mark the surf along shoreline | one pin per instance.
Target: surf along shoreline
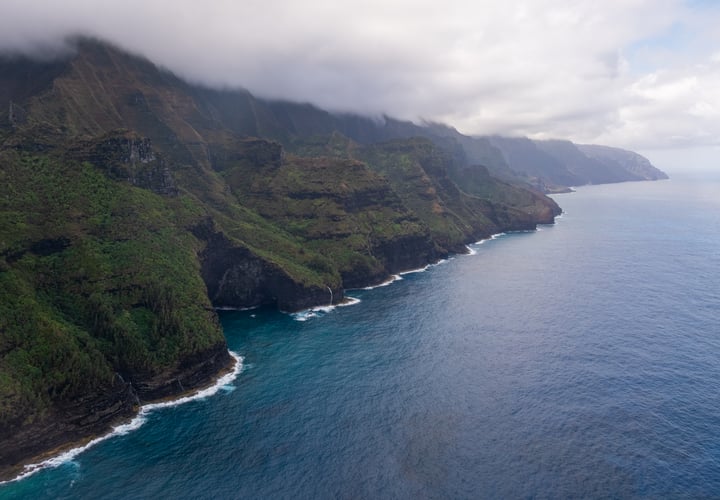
(65, 453)
(62, 454)
(319, 311)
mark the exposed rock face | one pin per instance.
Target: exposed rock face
(237, 278)
(127, 156)
(75, 421)
(247, 151)
(95, 412)
(16, 115)
(191, 372)
(406, 252)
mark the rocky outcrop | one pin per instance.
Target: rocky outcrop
(82, 419)
(16, 115)
(193, 371)
(238, 278)
(128, 157)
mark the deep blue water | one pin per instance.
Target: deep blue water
(582, 360)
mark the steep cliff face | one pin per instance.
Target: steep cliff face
(237, 278)
(132, 204)
(527, 159)
(638, 166)
(126, 156)
(70, 421)
(101, 304)
(340, 209)
(92, 413)
(457, 207)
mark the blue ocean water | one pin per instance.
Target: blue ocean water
(578, 361)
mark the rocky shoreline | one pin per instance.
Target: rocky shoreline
(95, 415)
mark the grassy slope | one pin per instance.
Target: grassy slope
(103, 90)
(100, 277)
(340, 210)
(97, 277)
(426, 179)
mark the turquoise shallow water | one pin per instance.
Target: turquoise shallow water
(582, 360)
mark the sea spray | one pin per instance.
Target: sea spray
(315, 312)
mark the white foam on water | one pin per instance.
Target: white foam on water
(120, 430)
(392, 279)
(303, 315)
(349, 301)
(319, 311)
(418, 270)
(473, 251)
(313, 312)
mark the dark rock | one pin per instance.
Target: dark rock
(237, 278)
(95, 413)
(128, 157)
(75, 421)
(16, 115)
(247, 151)
(191, 372)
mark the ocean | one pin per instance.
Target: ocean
(581, 360)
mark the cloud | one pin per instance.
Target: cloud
(680, 106)
(583, 70)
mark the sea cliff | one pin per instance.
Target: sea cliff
(132, 204)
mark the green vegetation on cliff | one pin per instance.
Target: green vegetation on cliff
(132, 204)
(99, 285)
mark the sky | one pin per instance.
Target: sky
(641, 74)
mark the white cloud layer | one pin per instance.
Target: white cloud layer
(635, 73)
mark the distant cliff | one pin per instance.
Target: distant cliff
(553, 164)
(133, 203)
(636, 165)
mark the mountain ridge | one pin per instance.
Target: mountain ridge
(132, 203)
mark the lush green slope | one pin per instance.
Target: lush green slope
(132, 204)
(457, 202)
(99, 294)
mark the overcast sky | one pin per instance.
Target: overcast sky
(641, 74)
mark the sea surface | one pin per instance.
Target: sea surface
(578, 361)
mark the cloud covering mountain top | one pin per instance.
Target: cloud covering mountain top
(633, 73)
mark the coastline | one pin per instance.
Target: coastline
(318, 311)
(62, 454)
(65, 453)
